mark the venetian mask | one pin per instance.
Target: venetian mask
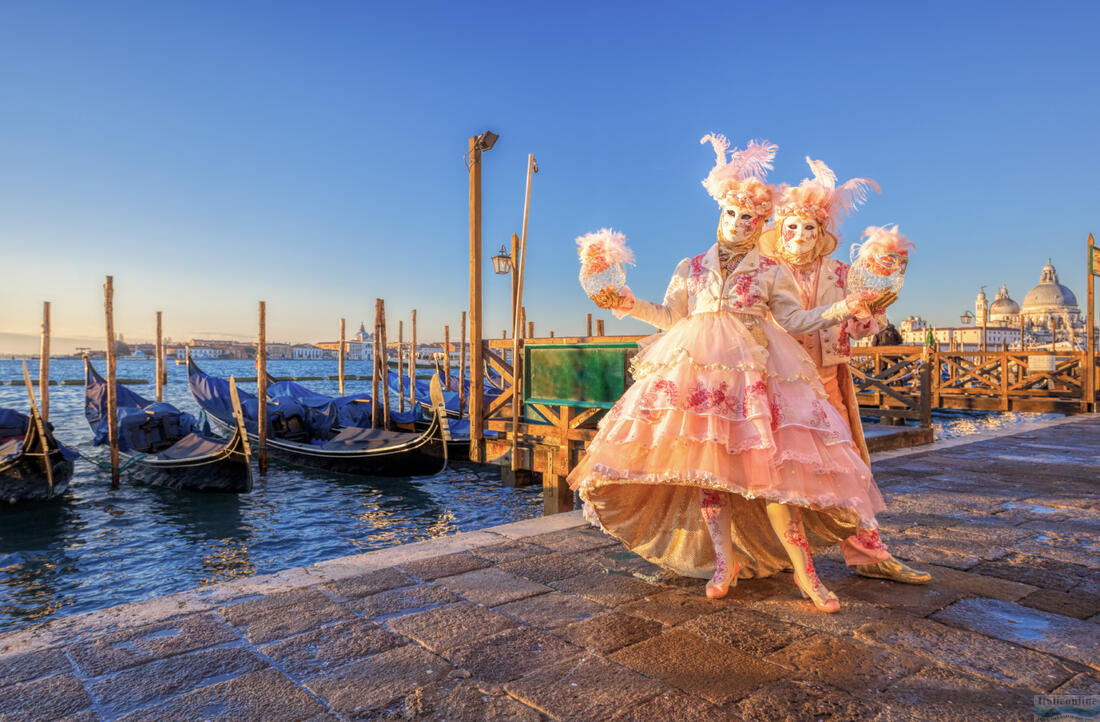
(737, 226)
(798, 239)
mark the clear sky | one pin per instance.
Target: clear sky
(211, 154)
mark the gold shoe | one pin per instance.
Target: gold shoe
(893, 570)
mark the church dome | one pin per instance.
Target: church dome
(1003, 305)
(1049, 294)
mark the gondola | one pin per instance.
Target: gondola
(160, 446)
(312, 435)
(34, 466)
(452, 400)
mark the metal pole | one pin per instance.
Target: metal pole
(517, 370)
(1093, 268)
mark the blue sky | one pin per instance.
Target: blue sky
(310, 154)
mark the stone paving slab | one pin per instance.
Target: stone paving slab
(549, 619)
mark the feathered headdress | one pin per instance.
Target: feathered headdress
(739, 180)
(820, 198)
(884, 248)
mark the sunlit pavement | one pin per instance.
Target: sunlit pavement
(548, 618)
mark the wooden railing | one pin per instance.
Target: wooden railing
(993, 380)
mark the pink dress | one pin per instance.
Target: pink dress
(725, 400)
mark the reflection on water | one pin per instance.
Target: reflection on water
(95, 547)
(953, 424)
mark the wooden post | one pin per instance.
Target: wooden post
(112, 395)
(261, 389)
(160, 360)
(985, 327)
(412, 364)
(1089, 377)
(1004, 375)
(599, 327)
(400, 363)
(588, 324)
(340, 353)
(446, 357)
(375, 412)
(530, 329)
(477, 370)
(44, 366)
(384, 370)
(462, 366)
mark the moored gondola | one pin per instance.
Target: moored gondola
(313, 435)
(33, 465)
(161, 446)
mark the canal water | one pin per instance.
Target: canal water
(96, 548)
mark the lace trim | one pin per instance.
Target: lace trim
(830, 438)
(782, 457)
(644, 369)
(823, 503)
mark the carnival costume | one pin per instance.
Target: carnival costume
(822, 280)
(725, 458)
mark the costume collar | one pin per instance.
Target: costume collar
(749, 263)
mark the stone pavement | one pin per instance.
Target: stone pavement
(547, 618)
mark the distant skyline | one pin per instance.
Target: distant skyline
(211, 155)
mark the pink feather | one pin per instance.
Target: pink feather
(608, 244)
(823, 174)
(720, 144)
(755, 160)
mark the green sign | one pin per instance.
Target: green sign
(589, 375)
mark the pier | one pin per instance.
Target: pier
(550, 619)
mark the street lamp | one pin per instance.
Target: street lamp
(502, 262)
(966, 318)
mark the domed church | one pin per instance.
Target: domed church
(1048, 303)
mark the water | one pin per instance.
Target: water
(95, 548)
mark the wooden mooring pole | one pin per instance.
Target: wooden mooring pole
(462, 366)
(341, 353)
(160, 360)
(112, 396)
(599, 327)
(401, 364)
(384, 370)
(1089, 377)
(44, 364)
(261, 389)
(412, 364)
(447, 358)
(375, 412)
(588, 324)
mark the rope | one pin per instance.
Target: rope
(107, 467)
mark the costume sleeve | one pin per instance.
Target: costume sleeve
(786, 307)
(665, 315)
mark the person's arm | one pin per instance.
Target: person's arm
(662, 315)
(786, 307)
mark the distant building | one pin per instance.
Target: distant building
(206, 352)
(278, 351)
(307, 352)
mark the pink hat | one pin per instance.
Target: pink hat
(738, 181)
(820, 199)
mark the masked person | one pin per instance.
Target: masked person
(802, 240)
(725, 459)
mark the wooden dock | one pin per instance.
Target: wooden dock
(550, 619)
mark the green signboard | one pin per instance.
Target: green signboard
(589, 375)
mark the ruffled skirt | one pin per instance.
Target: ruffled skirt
(730, 403)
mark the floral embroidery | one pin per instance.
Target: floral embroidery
(746, 290)
(818, 418)
(795, 537)
(869, 539)
(842, 347)
(842, 275)
(697, 268)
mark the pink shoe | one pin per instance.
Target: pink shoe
(822, 598)
(717, 590)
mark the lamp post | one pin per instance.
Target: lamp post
(478, 145)
(966, 318)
